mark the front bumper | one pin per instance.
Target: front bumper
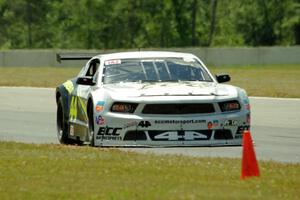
(156, 131)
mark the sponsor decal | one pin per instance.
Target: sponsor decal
(230, 123)
(180, 135)
(144, 124)
(241, 129)
(112, 62)
(71, 130)
(209, 125)
(215, 123)
(191, 121)
(130, 124)
(99, 106)
(107, 133)
(100, 120)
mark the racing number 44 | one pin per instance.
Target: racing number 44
(144, 124)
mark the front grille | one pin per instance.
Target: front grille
(175, 109)
(135, 135)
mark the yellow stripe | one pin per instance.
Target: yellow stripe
(83, 108)
(69, 86)
(73, 108)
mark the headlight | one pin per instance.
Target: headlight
(123, 107)
(244, 98)
(229, 106)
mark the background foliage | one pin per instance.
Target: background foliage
(109, 24)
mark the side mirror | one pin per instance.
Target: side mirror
(223, 78)
(85, 81)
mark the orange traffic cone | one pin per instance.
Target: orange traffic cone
(249, 162)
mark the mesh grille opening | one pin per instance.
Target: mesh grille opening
(223, 135)
(173, 109)
(135, 135)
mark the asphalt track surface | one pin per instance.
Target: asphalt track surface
(28, 115)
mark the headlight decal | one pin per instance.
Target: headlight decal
(228, 106)
(121, 107)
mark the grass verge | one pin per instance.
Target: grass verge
(66, 172)
(272, 81)
(267, 80)
(36, 76)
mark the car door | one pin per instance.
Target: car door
(78, 111)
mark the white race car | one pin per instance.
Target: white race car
(149, 98)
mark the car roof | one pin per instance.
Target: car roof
(145, 54)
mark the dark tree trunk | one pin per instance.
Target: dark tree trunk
(297, 34)
(89, 19)
(29, 23)
(213, 21)
(194, 22)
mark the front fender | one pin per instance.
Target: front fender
(65, 96)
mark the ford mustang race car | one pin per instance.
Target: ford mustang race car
(149, 98)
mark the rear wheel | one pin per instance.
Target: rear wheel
(62, 125)
(91, 125)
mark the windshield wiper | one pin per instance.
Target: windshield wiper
(170, 80)
(160, 81)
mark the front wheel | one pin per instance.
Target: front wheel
(62, 125)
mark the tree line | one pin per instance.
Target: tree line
(110, 24)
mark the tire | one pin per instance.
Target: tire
(62, 125)
(91, 130)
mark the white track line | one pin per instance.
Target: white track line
(275, 98)
(25, 87)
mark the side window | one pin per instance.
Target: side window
(93, 67)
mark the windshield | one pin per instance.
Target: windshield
(154, 70)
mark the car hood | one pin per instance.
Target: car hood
(190, 88)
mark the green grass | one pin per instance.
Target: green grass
(272, 81)
(67, 172)
(36, 76)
